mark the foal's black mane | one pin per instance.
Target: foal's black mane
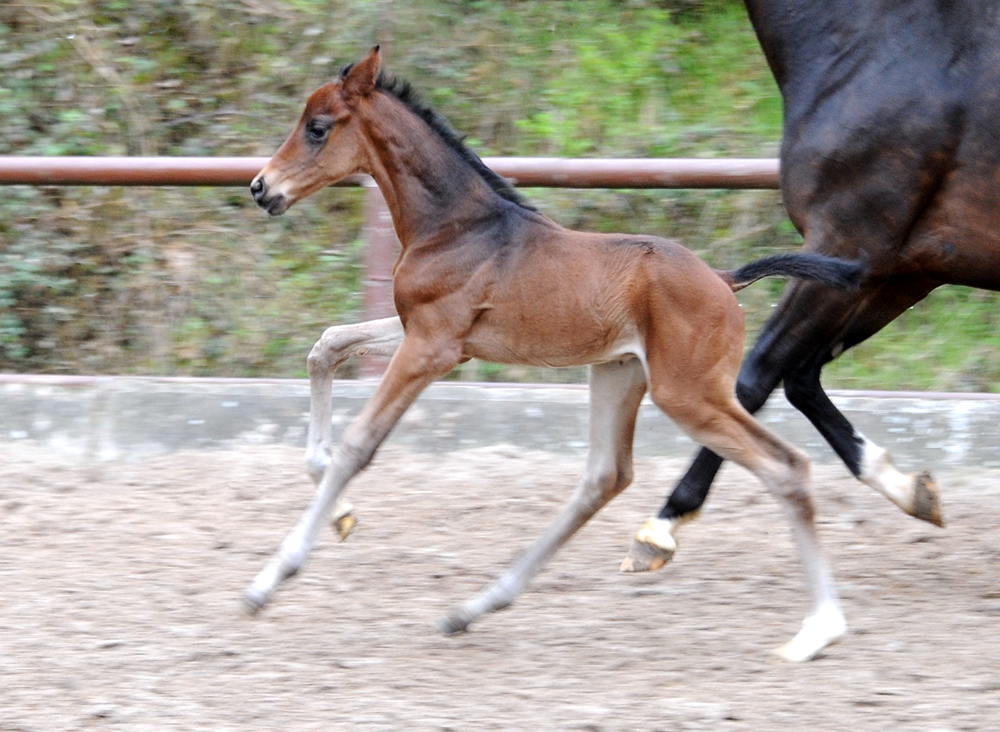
(404, 92)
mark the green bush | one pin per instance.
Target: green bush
(198, 281)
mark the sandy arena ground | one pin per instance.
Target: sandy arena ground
(122, 589)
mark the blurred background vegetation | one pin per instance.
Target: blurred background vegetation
(198, 281)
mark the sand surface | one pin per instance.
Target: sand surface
(122, 589)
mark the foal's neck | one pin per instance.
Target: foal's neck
(426, 184)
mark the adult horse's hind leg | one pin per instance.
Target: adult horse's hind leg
(721, 424)
(914, 493)
(811, 325)
(374, 337)
(616, 390)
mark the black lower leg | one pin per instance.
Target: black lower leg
(805, 393)
(752, 389)
(691, 491)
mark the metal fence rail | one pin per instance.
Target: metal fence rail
(526, 172)
(381, 250)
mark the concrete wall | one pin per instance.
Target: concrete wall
(129, 418)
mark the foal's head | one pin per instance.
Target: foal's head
(326, 144)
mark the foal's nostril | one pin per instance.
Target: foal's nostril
(257, 188)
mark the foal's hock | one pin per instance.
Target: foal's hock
(483, 275)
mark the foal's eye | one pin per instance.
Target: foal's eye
(317, 131)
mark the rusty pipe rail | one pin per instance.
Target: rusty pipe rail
(525, 172)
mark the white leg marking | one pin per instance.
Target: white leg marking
(654, 544)
(616, 389)
(295, 548)
(821, 628)
(826, 622)
(337, 344)
(785, 471)
(402, 383)
(659, 533)
(878, 472)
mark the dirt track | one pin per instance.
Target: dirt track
(122, 586)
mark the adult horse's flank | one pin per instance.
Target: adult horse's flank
(890, 152)
(483, 275)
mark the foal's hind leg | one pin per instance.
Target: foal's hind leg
(722, 425)
(616, 389)
(337, 344)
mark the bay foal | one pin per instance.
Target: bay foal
(483, 275)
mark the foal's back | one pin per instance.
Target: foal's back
(557, 297)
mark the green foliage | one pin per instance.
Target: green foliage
(199, 281)
(950, 342)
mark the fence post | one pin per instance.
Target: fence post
(381, 251)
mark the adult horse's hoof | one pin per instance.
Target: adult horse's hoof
(652, 547)
(926, 499)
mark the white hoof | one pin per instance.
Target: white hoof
(818, 631)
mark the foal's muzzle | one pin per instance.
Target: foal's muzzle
(275, 205)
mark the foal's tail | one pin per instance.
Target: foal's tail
(839, 273)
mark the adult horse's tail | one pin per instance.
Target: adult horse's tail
(839, 273)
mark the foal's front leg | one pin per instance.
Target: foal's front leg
(374, 337)
(416, 364)
(616, 390)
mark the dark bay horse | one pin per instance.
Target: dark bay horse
(891, 151)
(483, 275)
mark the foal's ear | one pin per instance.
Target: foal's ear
(359, 79)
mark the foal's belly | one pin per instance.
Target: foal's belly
(544, 345)
(564, 303)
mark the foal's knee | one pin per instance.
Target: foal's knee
(336, 345)
(319, 361)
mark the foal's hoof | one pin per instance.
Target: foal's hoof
(253, 602)
(342, 521)
(452, 623)
(344, 525)
(652, 547)
(643, 557)
(266, 582)
(818, 631)
(926, 499)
